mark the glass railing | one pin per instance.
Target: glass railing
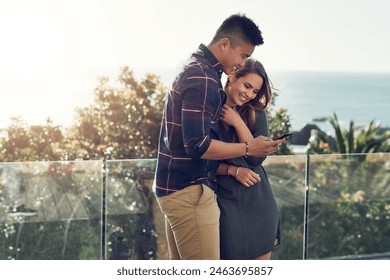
(349, 206)
(132, 213)
(51, 210)
(332, 207)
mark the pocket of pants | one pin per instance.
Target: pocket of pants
(195, 193)
(200, 194)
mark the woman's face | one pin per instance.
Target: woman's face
(243, 89)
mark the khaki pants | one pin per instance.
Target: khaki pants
(191, 223)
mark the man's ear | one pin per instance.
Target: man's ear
(224, 44)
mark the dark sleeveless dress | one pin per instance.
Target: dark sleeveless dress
(250, 220)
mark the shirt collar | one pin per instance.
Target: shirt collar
(212, 59)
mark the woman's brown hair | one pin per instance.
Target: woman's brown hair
(263, 97)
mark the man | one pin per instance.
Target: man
(188, 149)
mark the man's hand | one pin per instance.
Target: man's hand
(263, 146)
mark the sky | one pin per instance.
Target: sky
(53, 51)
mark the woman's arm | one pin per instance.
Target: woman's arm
(242, 174)
(231, 117)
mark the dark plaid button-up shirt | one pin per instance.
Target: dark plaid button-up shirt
(189, 123)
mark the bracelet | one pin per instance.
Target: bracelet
(238, 168)
(246, 149)
(227, 170)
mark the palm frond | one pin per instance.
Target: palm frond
(338, 133)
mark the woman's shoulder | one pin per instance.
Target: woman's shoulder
(260, 114)
(261, 123)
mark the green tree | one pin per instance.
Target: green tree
(124, 120)
(278, 124)
(351, 140)
(21, 142)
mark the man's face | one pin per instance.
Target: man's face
(234, 57)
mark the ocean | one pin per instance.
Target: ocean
(312, 96)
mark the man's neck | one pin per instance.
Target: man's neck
(216, 51)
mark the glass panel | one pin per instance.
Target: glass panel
(61, 211)
(50, 210)
(287, 178)
(135, 225)
(132, 213)
(349, 206)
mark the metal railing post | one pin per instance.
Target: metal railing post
(306, 208)
(103, 251)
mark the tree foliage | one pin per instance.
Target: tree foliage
(124, 120)
(352, 140)
(278, 124)
(31, 143)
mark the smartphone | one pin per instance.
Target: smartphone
(286, 135)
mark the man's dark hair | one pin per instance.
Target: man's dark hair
(239, 29)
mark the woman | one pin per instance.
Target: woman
(250, 221)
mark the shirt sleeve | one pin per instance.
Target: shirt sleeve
(200, 104)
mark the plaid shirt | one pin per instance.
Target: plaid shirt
(189, 122)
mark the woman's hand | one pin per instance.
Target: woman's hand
(246, 176)
(230, 116)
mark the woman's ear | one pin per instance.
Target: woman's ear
(230, 80)
(232, 76)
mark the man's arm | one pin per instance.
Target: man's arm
(260, 146)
